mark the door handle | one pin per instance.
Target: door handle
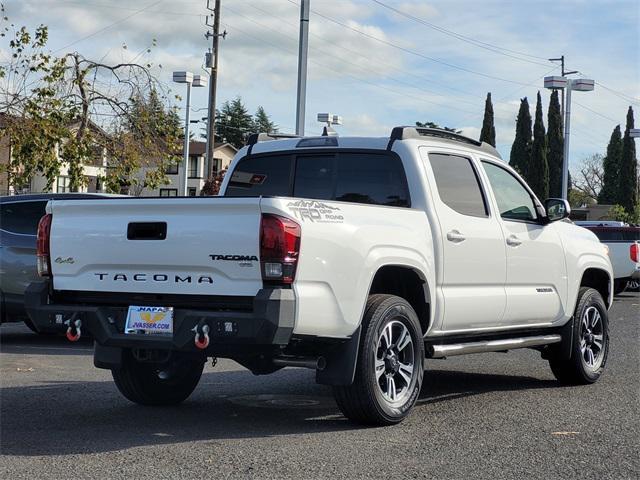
(455, 236)
(513, 241)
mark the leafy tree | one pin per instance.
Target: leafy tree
(618, 212)
(488, 132)
(555, 144)
(538, 171)
(611, 166)
(628, 180)
(233, 122)
(56, 108)
(521, 149)
(435, 125)
(262, 122)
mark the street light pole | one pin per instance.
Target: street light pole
(567, 132)
(197, 81)
(185, 150)
(567, 85)
(303, 49)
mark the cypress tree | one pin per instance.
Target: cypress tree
(627, 188)
(521, 149)
(611, 165)
(488, 133)
(538, 171)
(555, 144)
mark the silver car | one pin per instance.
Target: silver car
(19, 217)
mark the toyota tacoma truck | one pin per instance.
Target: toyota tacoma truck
(359, 258)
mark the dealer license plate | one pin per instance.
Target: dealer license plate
(156, 320)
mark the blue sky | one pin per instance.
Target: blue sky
(375, 67)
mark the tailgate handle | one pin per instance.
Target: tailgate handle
(147, 231)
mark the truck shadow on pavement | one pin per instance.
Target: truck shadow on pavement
(64, 418)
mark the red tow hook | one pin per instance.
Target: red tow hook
(202, 341)
(73, 337)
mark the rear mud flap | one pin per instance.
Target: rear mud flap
(341, 363)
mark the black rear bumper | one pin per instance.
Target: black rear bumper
(269, 323)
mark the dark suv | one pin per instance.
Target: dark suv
(19, 217)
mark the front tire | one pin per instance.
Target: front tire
(390, 364)
(158, 385)
(590, 343)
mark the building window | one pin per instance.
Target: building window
(193, 167)
(168, 192)
(217, 165)
(192, 191)
(171, 169)
(63, 184)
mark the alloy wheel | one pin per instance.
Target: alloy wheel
(395, 361)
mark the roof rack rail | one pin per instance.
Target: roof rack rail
(405, 132)
(254, 138)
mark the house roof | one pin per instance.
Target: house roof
(199, 148)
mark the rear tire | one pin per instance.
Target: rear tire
(158, 385)
(590, 344)
(390, 364)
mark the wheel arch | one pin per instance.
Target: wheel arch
(409, 283)
(600, 280)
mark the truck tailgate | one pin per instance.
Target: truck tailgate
(191, 246)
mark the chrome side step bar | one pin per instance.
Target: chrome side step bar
(449, 350)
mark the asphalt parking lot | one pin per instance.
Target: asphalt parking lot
(481, 416)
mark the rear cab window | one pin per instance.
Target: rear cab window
(369, 177)
(612, 234)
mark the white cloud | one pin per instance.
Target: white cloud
(373, 85)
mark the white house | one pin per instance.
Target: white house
(197, 171)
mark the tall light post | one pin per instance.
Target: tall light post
(197, 81)
(569, 85)
(303, 49)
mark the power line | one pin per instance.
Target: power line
(345, 61)
(108, 26)
(470, 40)
(112, 6)
(412, 52)
(378, 61)
(596, 112)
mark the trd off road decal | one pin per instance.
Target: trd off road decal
(315, 211)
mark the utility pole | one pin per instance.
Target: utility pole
(212, 64)
(303, 50)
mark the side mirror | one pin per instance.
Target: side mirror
(557, 209)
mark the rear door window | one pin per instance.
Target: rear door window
(458, 184)
(377, 179)
(21, 217)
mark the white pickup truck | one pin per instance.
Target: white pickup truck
(623, 242)
(357, 257)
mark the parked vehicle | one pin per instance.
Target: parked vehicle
(624, 250)
(356, 257)
(19, 217)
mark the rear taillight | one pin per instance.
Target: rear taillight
(42, 246)
(279, 249)
(634, 252)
